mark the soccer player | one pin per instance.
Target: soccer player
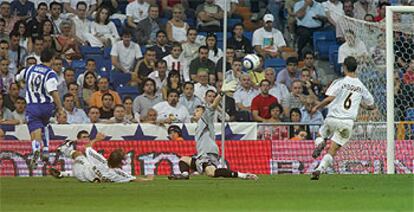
(42, 99)
(207, 159)
(344, 97)
(93, 167)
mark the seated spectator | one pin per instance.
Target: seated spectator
(239, 42)
(267, 41)
(146, 100)
(6, 76)
(89, 87)
(173, 83)
(176, 27)
(57, 66)
(119, 115)
(136, 11)
(175, 133)
(261, 103)
(6, 116)
(363, 7)
(46, 28)
(90, 67)
(296, 97)
(19, 114)
(209, 16)
(348, 8)
(171, 111)
(24, 9)
(70, 46)
(188, 99)
(56, 9)
(278, 90)
(297, 132)
(161, 46)
(61, 117)
(160, 75)
(245, 94)
(75, 115)
(203, 63)
(190, 48)
(50, 42)
(150, 117)
(276, 113)
(103, 30)
(176, 62)
(309, 87)
(143, 68)
(309, 63)
(352, 47)
(231, 7)
(37, 49)
(3, 35)
(25, 35)
(17, 54)
(274, 132)
(202, 86)
(71, 6)
(381, 11)
(214, 53)
(103, 88)
(9, 19)
(129, 113)
(230, 57)
(11, 96)
(257, 75)
(235, 72)
(81, 25)
(287, 75)
(107, 108)
(148, 27)
(73, 89)
(94, 115)
(68, 77)
(125, 53)
(314, 120)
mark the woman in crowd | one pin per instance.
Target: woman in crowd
(103, 29)
(297, 132)
(129, 114)
(173, 82)
(70, 47)
(176, 27)
(25, 36)
(214, 53)
(89, 86)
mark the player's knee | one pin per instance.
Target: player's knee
(186, 159)
(209, 170)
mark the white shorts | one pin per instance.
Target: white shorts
(83, 170)
(338, 130)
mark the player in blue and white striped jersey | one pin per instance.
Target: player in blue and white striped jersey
(42, 99)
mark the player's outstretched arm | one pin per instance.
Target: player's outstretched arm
(322, 104)
(368, 107)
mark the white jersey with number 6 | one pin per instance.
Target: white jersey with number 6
(349, 92)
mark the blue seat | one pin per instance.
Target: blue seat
(124, 91)
(119, 25)
(333, 58)
(163, 21)
(248, 35)
(231, 22)
(143, 50)
(103, 66)
(322, 41)
(118, 78)
(107, 53)
(87, 50)
(219, 36)
(122, 4)
(79, 66)
(276, 63)
(191, 22)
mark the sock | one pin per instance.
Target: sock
(221, 172)
(242, 175)
(184, 168)
(35, 145)
(67, 150)
(325, 163)
(318, 141)
(46, 139)
(66, 173)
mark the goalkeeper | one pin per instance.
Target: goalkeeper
(207, 159)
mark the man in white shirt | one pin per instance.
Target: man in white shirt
(175, 61)
(125, 53)
(19, 114)
(55, 8)
(352, 47)
(267, 40)
(72, 5)
(188, 99)
(75, 115)
(202, 86)
(171, 111)
(81, 26)
(136, 11)
(159, 75)
(245, 94)
(278, 90)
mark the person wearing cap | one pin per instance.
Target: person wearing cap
(310, 16)
(267, 41)
(175, 133)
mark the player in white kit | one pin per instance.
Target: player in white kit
(344, 97)
(93, 167)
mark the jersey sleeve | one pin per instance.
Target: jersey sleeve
(94, 157)
(367, 97)
(51, 82)
(20, 76)
(334, 89)
(120, 176)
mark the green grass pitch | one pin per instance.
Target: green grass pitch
(270, 193)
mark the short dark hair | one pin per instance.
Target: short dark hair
(191, 28)
(55, 3)
(276, 105)
(161, 32)
(115, 158)
(176, 44)
(202, 47)
(264, 80)
(81, 3)
(351, 64)
(175, 128)
(42, 4)
(127, 98)
(127, 32)
(210, 91)
(293, 60)
(92, 107)
(173, 91)
(79, 135)
(47, 55)
(295, 110)
(188, 83)
(90, 60)
(307, 52)
(162, 61)
(21, 99)
(67, 95)
(72, 83)
(107, 94)
(119, 105)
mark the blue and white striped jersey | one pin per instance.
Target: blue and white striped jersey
(40, 81)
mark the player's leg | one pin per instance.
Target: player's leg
(74, 154)
(321, 140)
(45, 149)
(212, 171)
(36, 136)
(326, 161)
(184, 164)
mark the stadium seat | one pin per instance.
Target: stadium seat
(119, 26)
(107, 53)
(122, 4)
(143, 49)
(127, 91)
(79, 66)
(163, 21)
(276, 63)
(191, 22)
(333, 58)
(248, 35)
(322, 41)
(87, 50)
(118, 79)
(231, 22)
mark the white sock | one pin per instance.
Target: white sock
(185, 174)
(318, 141)
(35, 145)
(241, 175)
(325, 163)
(66, 173)
(45, 149)
(67, 150)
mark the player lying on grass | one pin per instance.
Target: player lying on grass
(345, 95)
(93, 167)
(207, 159)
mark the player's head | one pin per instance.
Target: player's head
(47, 56)
(174, 133)
(350, 64)
(198, 112)
(82, 135)
(115, 158)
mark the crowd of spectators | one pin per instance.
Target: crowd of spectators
(171, 52)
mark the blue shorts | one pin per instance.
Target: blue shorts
(38, 115)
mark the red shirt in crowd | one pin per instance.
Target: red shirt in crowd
(262, 104)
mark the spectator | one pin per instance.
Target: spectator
(209, 16)
(129, 113)
(203, 63)
(103, 29)
(159, 75)
(310, 17)
(55, 15)
(188, 99)
(309, 87)
(23, 9)
(314, 120)
(31, 61)
(94, 115)
(296, 97)
(147, 28)
(257, 75)
(230, 57)
(150, 117)
(71, 6)
(363, 7)
(173, 83)
(309, 63)
(119, 115)
(381, 11)
(46, 28)
(144, 67)
(37, 49)
(61, 117)
(107, 108)
(171, 111)
(33, 25)
(70, 46)
(348, 8)
(19, 114)
(75, 115)
(6, 77)
(136, 11)
(214, 53)
(161, 47)
(3, 35)
(69, 77)
(245, 94)
(268, 41)
(50, 42)
(278, 90)
(290, 73)
(333, 10)
(239, 42)
(11, 96)
(190, 47)
(89, 87)
(125, 53)
(146, 100)
(90, 67)
(57, 66)
(176, 27)
(6, 15)
(261, 103)
(202, 86)
(81, 25)
(175, 133)
(297, 131)
(73, 89)
(352, 47)
(235, 72)
(17, 53)
(176, 62)
(103, 88)
(6, 116)
(276, 112)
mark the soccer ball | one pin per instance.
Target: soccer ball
(251, 61)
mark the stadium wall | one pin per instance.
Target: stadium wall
(259, 156)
